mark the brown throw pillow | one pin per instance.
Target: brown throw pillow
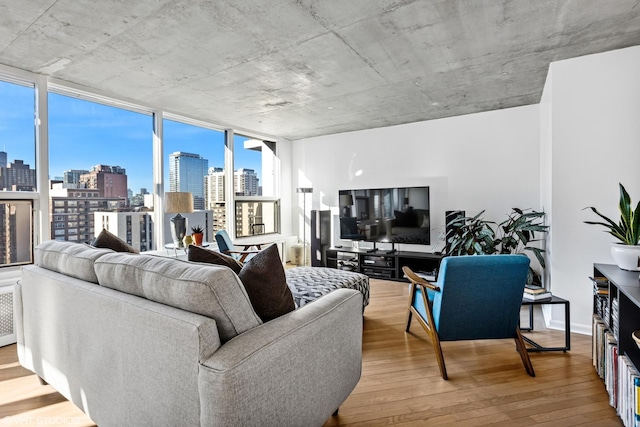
(109, 240)
(266, 284)
(199, 254)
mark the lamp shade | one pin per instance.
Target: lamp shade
(178, 202)
(346, 199)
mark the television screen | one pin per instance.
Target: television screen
(387, 215)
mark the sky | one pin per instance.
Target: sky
(83, 134)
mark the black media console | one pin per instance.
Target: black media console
(384, 264)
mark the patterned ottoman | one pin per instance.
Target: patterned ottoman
(310, 283)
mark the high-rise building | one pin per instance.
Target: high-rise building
(71, 212)
(214, 189)
(135, 228)
(72, 176)
(187, 172)
(3, 159)
(17, 177)
(246, 182)
(110, 181)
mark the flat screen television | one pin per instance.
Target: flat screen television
(386, 215)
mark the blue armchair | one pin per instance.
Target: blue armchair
(226, 246)
(475, 297)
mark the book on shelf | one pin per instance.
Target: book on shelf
(536, 297)
(601, 282)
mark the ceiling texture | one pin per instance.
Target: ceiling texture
(302, 68)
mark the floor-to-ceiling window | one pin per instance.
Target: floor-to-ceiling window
(257, 205)
(194, 163)
(100, 160)
(86, 163)
(17, 171)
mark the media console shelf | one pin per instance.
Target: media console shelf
(616, 308)
(384, 264)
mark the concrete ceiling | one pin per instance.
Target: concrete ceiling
(302, 68)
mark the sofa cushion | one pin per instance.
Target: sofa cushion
(73, 259)
(264, 279)
(199, 254)
(210, 290)
(106, 239)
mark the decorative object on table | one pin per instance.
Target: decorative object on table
(187, 240)
(177, 202)
(626, 253)
(305, 191)
(476, 236)
(197, 234)
(346, 201)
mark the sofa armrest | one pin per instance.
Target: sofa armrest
(294, 370)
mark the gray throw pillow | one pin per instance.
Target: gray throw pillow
(264, 280)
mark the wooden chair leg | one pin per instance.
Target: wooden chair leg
(412, 295)
(438, 349)
(524, 354)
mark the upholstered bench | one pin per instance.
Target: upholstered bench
(310, 283)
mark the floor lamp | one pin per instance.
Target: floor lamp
(304, 191)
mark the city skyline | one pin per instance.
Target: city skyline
(83, 134)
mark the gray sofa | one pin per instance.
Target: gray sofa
(152, 341)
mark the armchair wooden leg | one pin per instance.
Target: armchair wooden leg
(335, 413)
(412, 293)
(524, 354)
(438, 349)
(408, 320)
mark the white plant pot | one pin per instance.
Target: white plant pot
(626, 256)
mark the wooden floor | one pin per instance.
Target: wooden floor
(401, 383)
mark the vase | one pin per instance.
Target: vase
(197, 238)
(626, 256)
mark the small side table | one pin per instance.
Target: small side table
(173, 247)
(567, 333)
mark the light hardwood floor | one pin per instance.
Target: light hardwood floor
(401, 384)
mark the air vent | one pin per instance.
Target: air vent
(7, 325)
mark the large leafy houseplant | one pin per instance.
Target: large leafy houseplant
(475, 236)
(626, 230)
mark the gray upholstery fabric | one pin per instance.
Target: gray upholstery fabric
(127, 360)
(124, 360)
(73, 259)
(310, 283)
(292, 371)
(206, 289)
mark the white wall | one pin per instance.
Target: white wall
(592, 115)
(487, 161)
(565, 154)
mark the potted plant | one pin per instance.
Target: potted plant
(471, 236)
(196, 235)
(475, 236)
(626, 253)
(517, 232)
